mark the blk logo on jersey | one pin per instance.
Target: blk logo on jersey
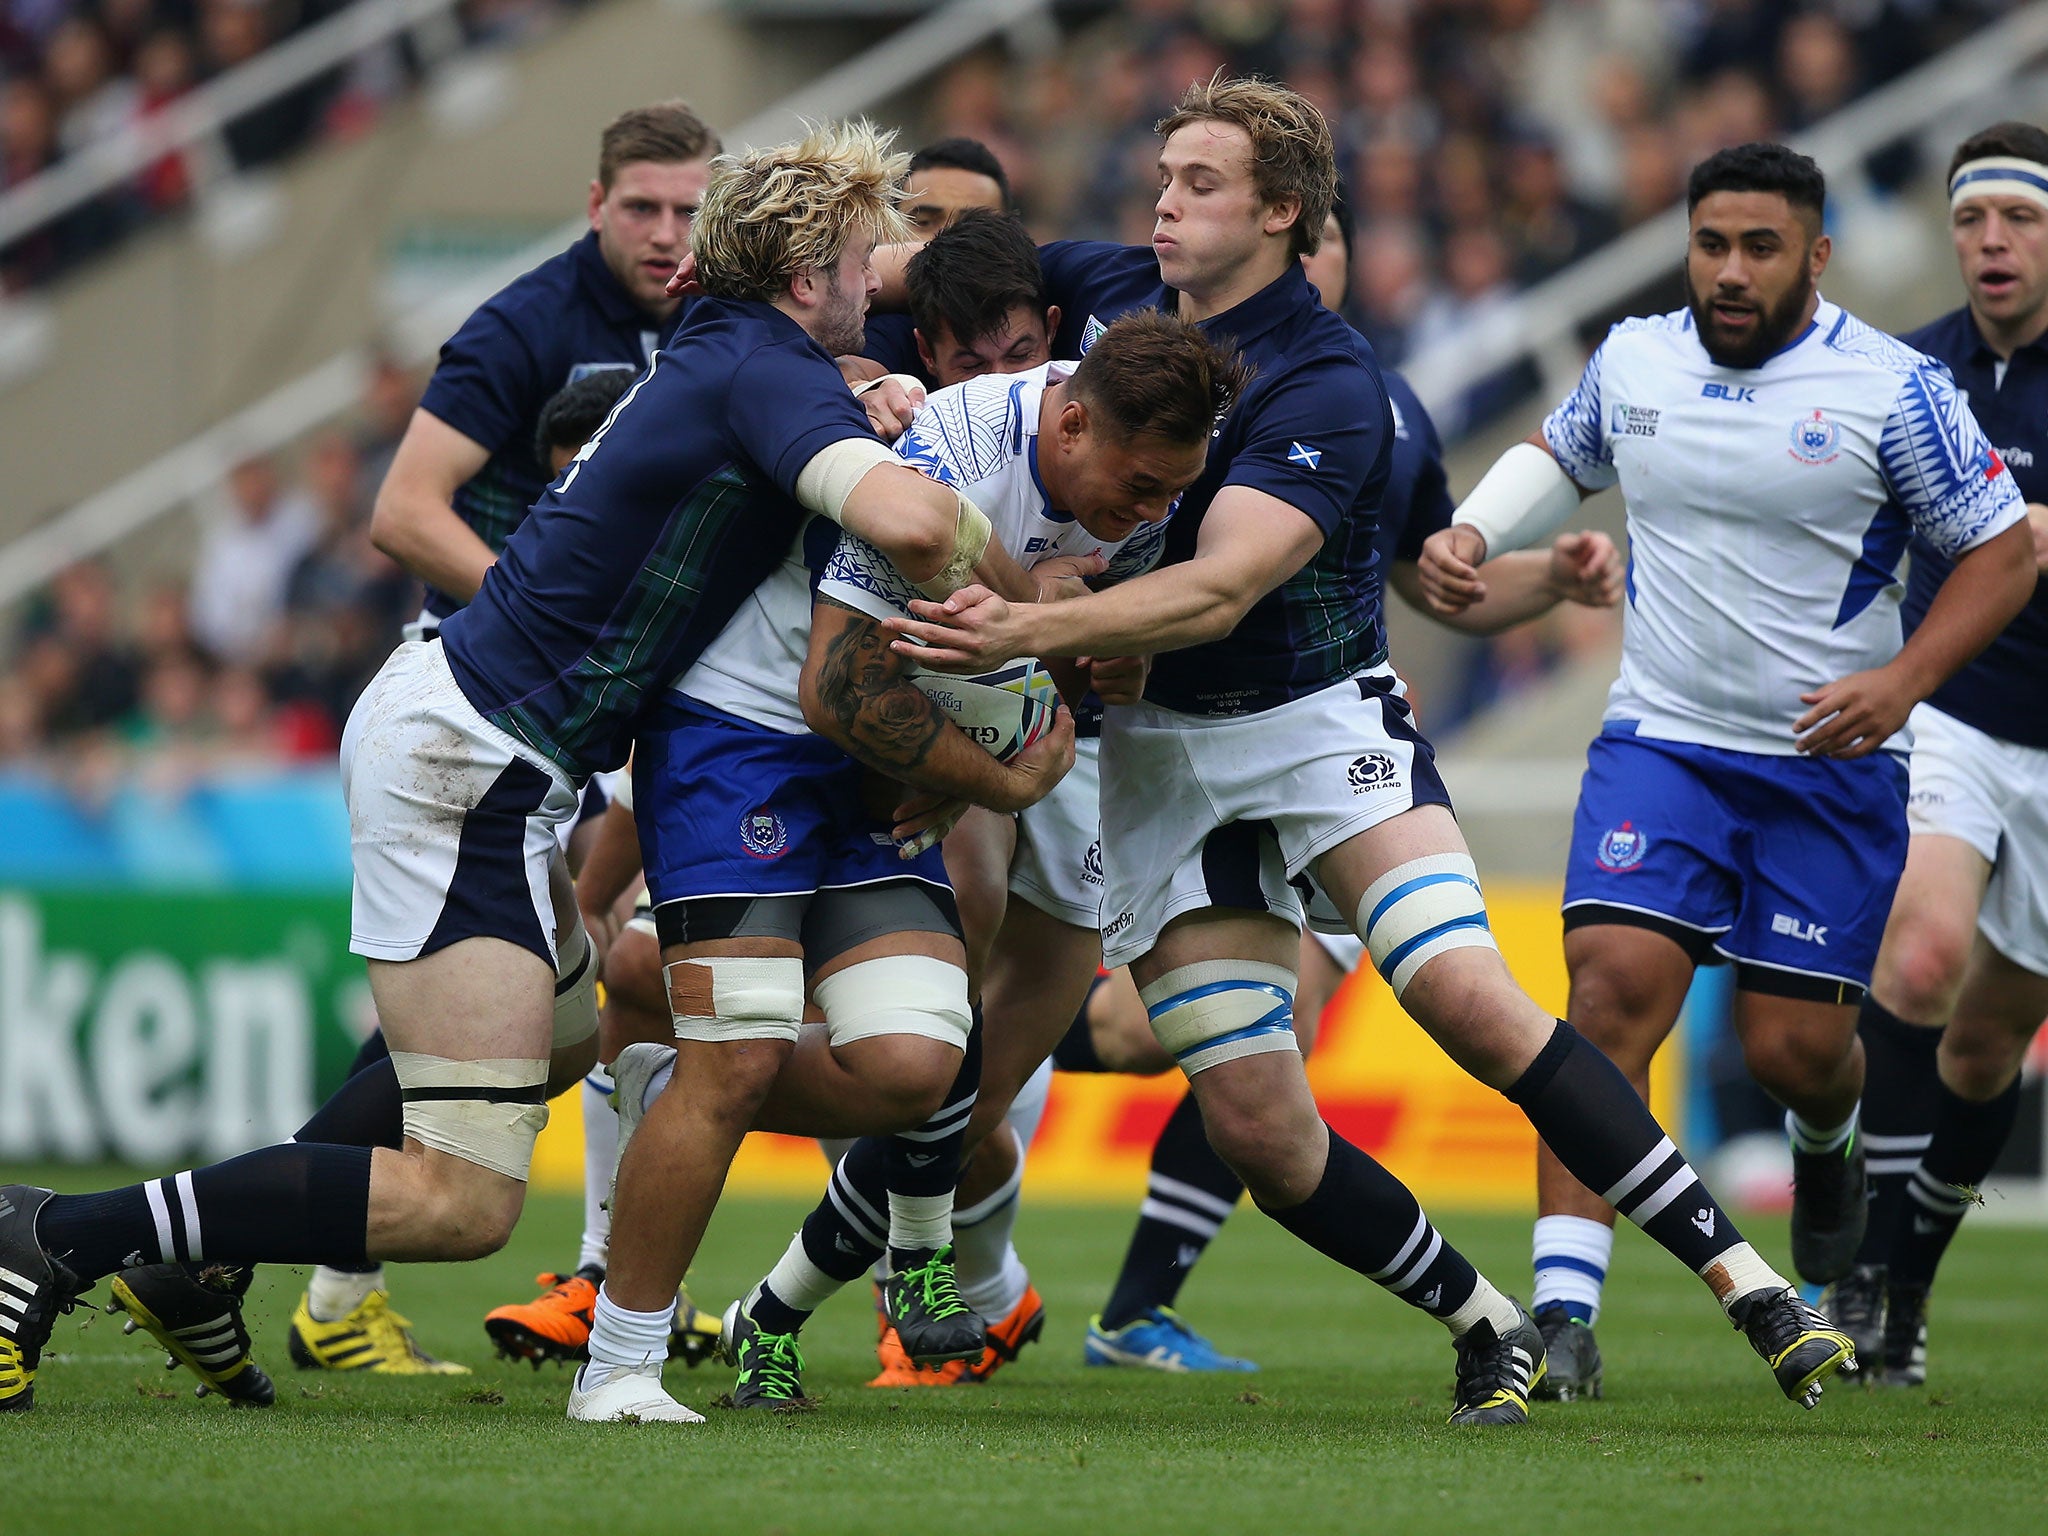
(1632, 420)
(1734, 394)
(1622, 849)
(763, 835)
(1305, 456)
(1815, 439)
(1374, 770)
(1792, 928)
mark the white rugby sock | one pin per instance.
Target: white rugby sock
(623, 1342)
(920, 1221)
(1808, 1137)
(795, 1281)
(1487, 1303)
(1572, 1256)
(331, 1294)
(1737, 1272)
(992, 1279)
(600, 1157)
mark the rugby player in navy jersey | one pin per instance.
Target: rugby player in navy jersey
(1273, 743)
(1966, 945)
(464, 755)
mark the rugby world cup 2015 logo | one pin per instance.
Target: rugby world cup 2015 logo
(1622, 849)
(763, 835)
(1815, 439)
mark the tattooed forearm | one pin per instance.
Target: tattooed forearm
(886, 723)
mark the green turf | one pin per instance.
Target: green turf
(1342, 1431)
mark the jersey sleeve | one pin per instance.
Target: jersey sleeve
(860, 576)
(1943, 470)
(488, 385)
(1577, 430)
(787, 405)
(1075, 270)
(1136, 555)
(1418, 500)
(1313, 441)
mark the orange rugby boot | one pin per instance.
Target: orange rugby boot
(553, 1326)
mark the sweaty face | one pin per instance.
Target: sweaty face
(839, 325)
(1750, 267)
(938, 194)
(643, 224)
(1330, 267)
(1021, 342)
(2002, 247)
(1209, 219)
(1113, 485)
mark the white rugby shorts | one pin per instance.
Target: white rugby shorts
(452, 821)
(1203, 812)
(1993, 795)
(1058, 863)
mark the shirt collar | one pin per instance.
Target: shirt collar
(1978, 350)
(1265, 311)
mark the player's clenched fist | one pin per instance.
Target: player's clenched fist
(1450, 568)
(1586, 568)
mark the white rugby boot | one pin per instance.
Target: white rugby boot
(628, 1397)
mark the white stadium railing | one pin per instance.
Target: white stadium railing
(1544, 322)
(318, 396)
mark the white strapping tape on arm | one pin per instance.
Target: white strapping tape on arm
(1523, 500)
(970, 542)
(834, 470)
(912, 385)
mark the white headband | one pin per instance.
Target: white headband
(1999, 176)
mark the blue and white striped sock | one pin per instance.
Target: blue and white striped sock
(1572, 1255)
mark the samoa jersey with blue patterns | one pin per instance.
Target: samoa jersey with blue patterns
(567, 318)
(1768, 512)
(1312, 429)
(2004, 692)
(641, 553)
(980, 436)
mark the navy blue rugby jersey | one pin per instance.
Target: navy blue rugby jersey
(1313, 429)
(2004, 692)
(634, 560)
(566, 318)
(1417, 501)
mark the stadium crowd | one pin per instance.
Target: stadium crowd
(73, 72)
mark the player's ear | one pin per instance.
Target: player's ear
(1073, 423)
(1817, 256)
(1052, 323)
(1280, 216)
(924, 352)
(596, 200)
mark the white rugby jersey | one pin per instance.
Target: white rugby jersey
(1768, 511)
(981, 436)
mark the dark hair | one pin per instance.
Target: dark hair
(667, 132)
(1760, 168)
(1156, 373)
(2017, 141)
(1347, 223)
(962, 154)
(972, 274)
(578, 409)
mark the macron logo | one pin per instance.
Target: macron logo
(1306, 457)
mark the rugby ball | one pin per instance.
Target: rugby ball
(1003, 711)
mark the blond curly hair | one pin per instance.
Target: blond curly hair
(1294, 158)
(772, 213)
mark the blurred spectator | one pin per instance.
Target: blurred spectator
(164, 71)
(76, 622)
(252, 537)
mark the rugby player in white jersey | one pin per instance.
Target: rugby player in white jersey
(1747, 794)
(1961, 983)
(1273, 743)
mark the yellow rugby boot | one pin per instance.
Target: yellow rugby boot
(372, 1338)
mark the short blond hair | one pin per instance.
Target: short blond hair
(772, 213)
(1294, 158)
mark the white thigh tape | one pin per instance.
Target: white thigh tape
(897, 995)
(1218, 1010)
(752, 998)
(576, 996)
(1417, 911)
(484, 1112)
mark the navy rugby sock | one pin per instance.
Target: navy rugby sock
(366, 1111)
(839, 1241)
(1190, 1194)
(922, 1165)
(289, 1204)
(1967, 1140)
(1901, 1093)
(1367, 1220)
(1603, 1132)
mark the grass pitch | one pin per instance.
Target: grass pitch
(1342, 1431)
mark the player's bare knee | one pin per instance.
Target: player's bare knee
(1794, 1064)
(1979, 1057)
(482, 1119)
(905, 1018)
(1921, 969)
(903, 1078)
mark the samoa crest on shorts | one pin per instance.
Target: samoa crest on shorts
(1622, 849)
(763, 835)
